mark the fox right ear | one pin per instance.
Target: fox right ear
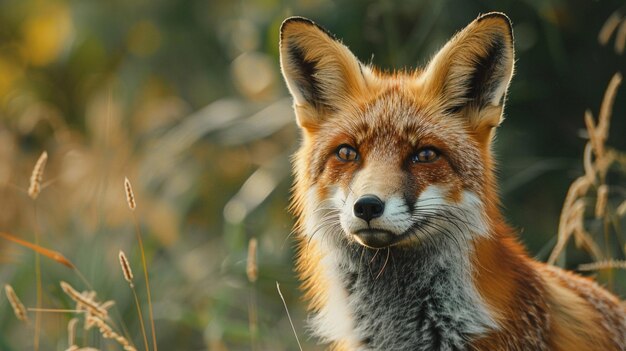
(472, 71)
(321, 73)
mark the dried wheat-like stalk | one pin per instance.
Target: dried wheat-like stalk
(128, 276)
(603, 195)
(108, 333)
(54, 255)
(615, 22)
(571, 221)
(590, 173)
(571, 213)
(71, 332)
(130, 199)
(37, 176)
(16, 304)
(600, 265)
(609, 27)
(128, 273)
(620, 38)
(252, 270)
(130, 196)
(621, 209)
(107, 304)
(576, 226)
(85, 301)
(604, 117)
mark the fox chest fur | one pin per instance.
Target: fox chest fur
(401, 242)
(412, 300)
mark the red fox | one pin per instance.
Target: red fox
(402, 245)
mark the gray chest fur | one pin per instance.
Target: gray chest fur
(408, 300)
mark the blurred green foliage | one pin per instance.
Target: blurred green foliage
(186, 99)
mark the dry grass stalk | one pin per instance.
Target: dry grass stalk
(609, 27)
(54, 255)
(252, 270)
(620, 38)
(585, 241)
(280, 293)
(600, 265)
(621, 210)
(571, 213)
(130, 199)
(128, 276)
(18, 308)
(108, 333)
(107, 304)
(37, 176)
(130, 196)
(71, 331)
(604, 118)
(590, 173)
(615, 22)
(571, 221)
(85, 301)
(128, 273)
(603, 195)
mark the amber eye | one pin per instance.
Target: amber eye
(347, 153)
(425, 155)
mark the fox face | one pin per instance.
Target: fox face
(397, 159)
(401, 242)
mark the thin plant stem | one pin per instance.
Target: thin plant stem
(143, 327)
(288, 315)
(145, 274)
(253, 318)
(39, 284)
(54, 310)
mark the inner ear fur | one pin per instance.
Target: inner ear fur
(321, 73)
(470, 75)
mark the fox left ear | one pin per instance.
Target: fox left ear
(321, 73)
(471, 73)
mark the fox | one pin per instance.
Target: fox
(401, 243)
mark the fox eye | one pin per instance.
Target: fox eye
(347, 153)
(425, 155)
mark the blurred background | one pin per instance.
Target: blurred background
(185, 98)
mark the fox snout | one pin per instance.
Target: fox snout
(375, 219)
(367, 208)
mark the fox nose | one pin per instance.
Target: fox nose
(368, 207)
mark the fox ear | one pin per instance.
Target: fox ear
(471, 73)
(321, 73)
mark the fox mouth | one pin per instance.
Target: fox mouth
(377, 238)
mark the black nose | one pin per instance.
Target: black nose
(368, 207)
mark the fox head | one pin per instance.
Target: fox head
(401, 158)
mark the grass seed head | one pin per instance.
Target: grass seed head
(18, 307)
(85, 301)
(37, 176)
(252, 269)
(108, 333)
(128, 273)
(130, 196)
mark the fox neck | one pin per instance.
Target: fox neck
(419, 298)
(393, 292)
